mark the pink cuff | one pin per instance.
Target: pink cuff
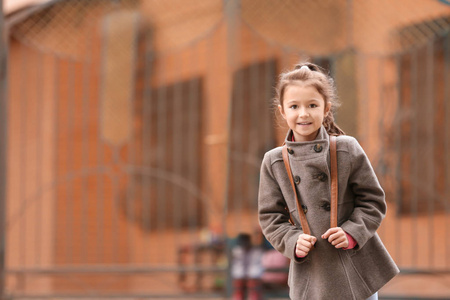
(351, 242)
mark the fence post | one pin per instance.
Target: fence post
(232, 11)
(3, 146)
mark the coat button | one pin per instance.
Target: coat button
(305, 208)
(297, 179)
(322, 177)
(290, 151)
(318, 147)
(326, 207)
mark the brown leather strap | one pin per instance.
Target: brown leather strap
(334, 187)
(301, 213)
(334, 182)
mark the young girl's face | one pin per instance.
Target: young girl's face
(304, 109)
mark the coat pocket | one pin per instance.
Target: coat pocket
(299, 280)
(360, 273)
(351, 252)
(373, 264)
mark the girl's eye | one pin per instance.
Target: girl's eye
(294, 106)
(313, 105)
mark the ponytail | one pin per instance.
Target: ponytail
(330, 126)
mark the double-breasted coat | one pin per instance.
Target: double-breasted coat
(326, 272)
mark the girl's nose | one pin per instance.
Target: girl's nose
(303, 112)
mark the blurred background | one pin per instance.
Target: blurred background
(133, 131)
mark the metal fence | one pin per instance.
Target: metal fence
(135, 132)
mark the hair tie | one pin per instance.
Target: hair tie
(304, 67)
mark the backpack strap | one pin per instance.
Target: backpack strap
(301, 213)
(334, 187)
(334, 182)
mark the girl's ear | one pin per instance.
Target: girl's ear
(327, 108)
(280, 108)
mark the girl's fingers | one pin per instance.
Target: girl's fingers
(307, 238)
(338, 240)
(336, 236)
(300, 253)
(330, 231)
(311, 240)
(304, 244)
(303, 248)
(344, 244)
(307, 244)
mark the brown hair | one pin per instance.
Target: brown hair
(314, 76)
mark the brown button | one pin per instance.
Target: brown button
(290, 151)
(326, 207)
(305, 208)
(297, 179)
(322, 177)
(318, 148)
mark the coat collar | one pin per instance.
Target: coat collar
(319, 146)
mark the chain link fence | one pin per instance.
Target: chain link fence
(135, 132)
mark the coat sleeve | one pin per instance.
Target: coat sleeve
(369, 202)
(273, 217)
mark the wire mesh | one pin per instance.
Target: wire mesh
(136, 130)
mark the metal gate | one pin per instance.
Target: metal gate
(135, 132)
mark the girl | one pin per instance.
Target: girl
(344, 262)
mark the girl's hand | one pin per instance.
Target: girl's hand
(304, 244)
(336, 236)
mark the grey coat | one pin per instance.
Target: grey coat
(326, 272)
